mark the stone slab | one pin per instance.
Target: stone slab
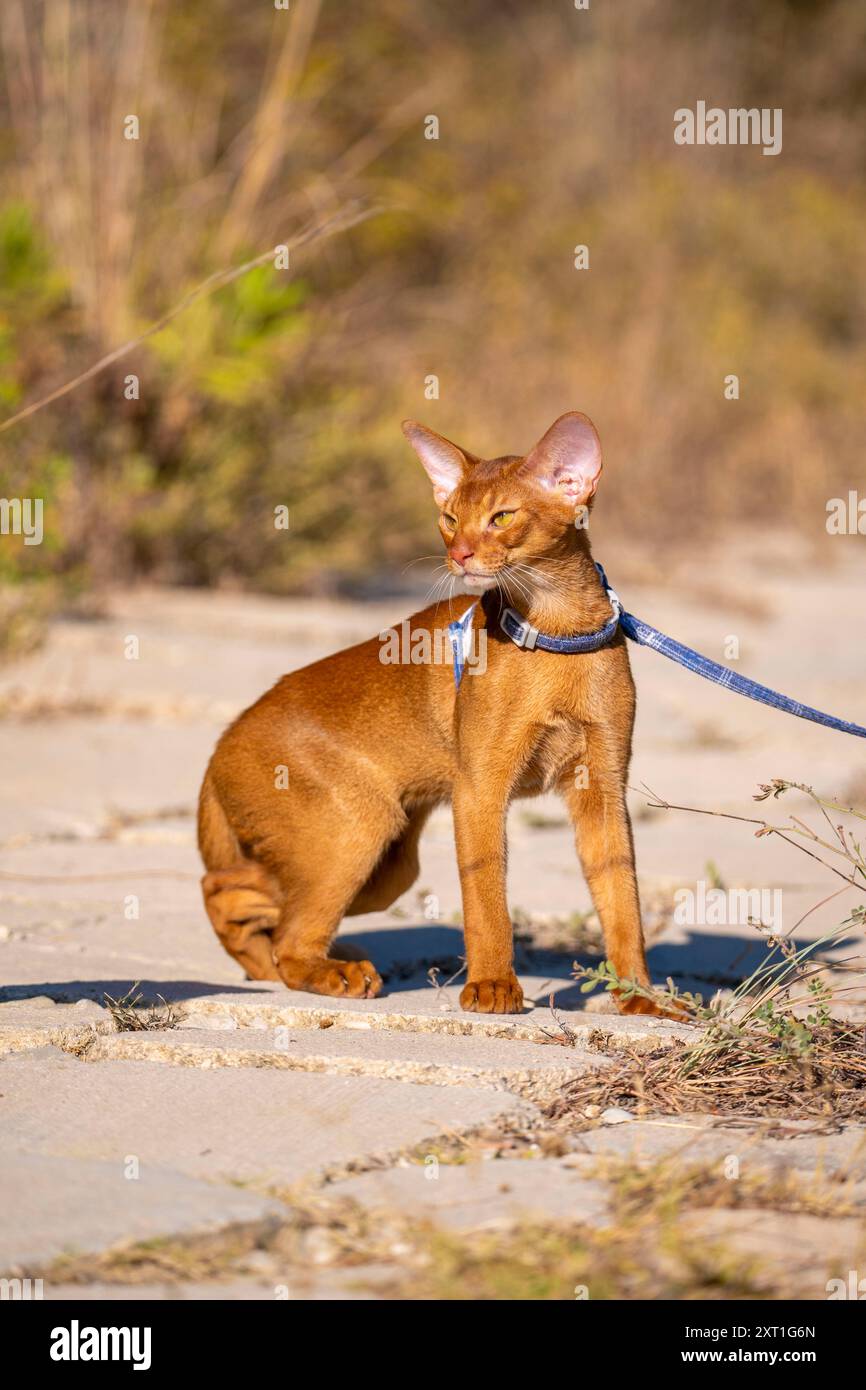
(223, 1123)
(55, 1205)
(356, 1285)
(496, 1193)
(786, 1246)
(40, 1020)
(70, 970)
(427, 1010)
(781, 1146)
(395, 1054)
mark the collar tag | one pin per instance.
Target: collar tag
(520, 630)
(460, 637)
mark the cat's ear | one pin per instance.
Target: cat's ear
(445, 464)
(567, 459)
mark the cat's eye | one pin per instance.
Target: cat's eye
(449, 522)
(502, 519)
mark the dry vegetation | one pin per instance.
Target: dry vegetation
(650, 1248)
(556, 129)
(133, 1014)
(776, 1045)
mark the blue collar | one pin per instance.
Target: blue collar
(524, 635)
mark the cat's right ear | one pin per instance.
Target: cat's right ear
(445, 464)
(568, 459)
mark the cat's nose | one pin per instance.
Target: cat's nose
(460, 553)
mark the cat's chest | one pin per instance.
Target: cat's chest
(551, 750)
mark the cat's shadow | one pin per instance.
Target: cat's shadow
(405, 955)
(704, 962)
(151, 991)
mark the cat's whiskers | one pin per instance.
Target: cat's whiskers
(528, 580)
(534, 574)
(419, 559)
(512, 578)
(451, 590)
(553, 592)
(550, 590)
(433, 593)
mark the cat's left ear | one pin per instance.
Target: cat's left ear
(567, 459)
(445, 464)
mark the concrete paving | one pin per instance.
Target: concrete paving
(427, 1058)
(224, 1123)
(480, 1195)
(772, 1147)
(349, 1286)
(811, 1250)
(61, 1204)
(258, 1086)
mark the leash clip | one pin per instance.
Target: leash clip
(612, 595)
(520, 630)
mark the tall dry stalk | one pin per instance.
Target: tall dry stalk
(271, 127)
(74, 72)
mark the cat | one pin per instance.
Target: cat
(315, 798)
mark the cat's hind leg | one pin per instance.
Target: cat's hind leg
(396, 870)
(319, 891)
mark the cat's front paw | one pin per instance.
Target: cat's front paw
(492, 996)
(355, 979)
(640, 1005)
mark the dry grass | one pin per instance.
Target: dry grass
(770, 1048)
(674, 1184)
(75, 72)
(749, 1078)
(773, 1046)
(648, 1249)
(530, 1261)
(132, 1014)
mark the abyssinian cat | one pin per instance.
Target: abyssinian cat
(315, 798)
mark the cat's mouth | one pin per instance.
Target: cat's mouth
(478, 583)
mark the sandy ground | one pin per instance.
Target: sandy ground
(102, 757)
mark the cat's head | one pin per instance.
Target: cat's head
(500, 517)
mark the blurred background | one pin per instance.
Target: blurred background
(163, 599)
(555, 129)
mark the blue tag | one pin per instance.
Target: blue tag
(460, 637)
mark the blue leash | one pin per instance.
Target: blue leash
(524, 635)
(647, 636)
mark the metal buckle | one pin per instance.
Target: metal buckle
(520, 630)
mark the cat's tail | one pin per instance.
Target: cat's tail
(217, 842)
(242, 900)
